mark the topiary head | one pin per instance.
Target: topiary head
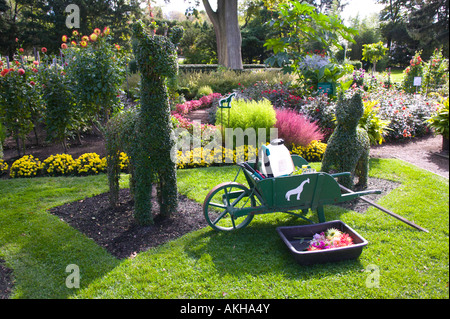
(349, 111)
(156, 55)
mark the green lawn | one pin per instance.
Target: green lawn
(396, 75)
(250, 263)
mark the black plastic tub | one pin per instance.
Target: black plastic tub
(291, 234)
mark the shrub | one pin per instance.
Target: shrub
(320, 109)
(358, 77)
(225, 81)
(375, 127)
(296, 128)
(415, 69)
(407, 113)
(277, 93)
(59, 165)
(3, 167)
(439, 121)
(90, 163)
(26, 166)
(204, 90)
(248, 114)
(435, 71)
(313, 152)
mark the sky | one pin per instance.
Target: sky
(364, 7)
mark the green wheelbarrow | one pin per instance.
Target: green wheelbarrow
(230, 205)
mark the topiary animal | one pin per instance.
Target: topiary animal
(349, 146)
(146, 134)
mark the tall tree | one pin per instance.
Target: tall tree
(424, 22)
(228, 34)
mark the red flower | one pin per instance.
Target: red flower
(21, 50)
(44, 50)
(21, 71)
(4, 72)
(63, 46)
(32, 83)
(34, 70)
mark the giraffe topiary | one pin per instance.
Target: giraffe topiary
(145, 133)
(349, 146)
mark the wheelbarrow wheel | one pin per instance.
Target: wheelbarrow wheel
(223, 203)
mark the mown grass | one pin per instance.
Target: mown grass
(250, 263)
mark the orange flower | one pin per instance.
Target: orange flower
(63, 46)
(93, 37)
(83, 44)
(64, 38)
(97, 31)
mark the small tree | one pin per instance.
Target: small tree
(373, 53)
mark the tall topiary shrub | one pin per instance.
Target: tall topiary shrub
(348, 147)
(146, 134)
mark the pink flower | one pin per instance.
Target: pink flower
(21, 71)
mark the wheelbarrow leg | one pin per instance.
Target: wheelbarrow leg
(321, 214)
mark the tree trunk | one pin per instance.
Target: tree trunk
(228, 34)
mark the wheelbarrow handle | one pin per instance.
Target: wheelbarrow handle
(387, 211)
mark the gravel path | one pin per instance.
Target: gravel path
(425, 153)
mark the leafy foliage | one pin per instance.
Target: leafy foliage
(375, 127)
(439, 121)
(298, 24)
(98, 69)
(415, 69)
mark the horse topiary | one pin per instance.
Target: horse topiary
(145, 133)
(349, 146)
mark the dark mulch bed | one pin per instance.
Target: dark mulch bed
(116, 230)
(6, 281)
